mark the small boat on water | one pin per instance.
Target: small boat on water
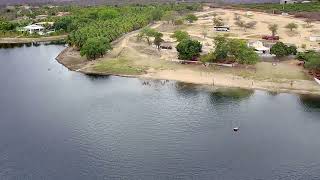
(317, 80)
(236, 129)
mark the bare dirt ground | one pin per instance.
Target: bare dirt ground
(284, 76)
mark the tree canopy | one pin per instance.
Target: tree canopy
(273, 28)
(189, 49)
(291, 26)
(191, 18)
(281, 50)
(113, 22)
(180, 35)
(95, 47)
(311, 59)
(233, 48)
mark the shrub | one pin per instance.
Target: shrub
(191, 18)
(178, 22)
(291, 26)
(221, 47)
(292, 50)
(217, 21)
(158, 39)
(156, 14)
(147, 32)
(311, 59)
(208, 57)
(189, 49)
(180, 35)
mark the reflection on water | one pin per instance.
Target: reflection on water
(58, 124)
(35, 44)
(310, 101)
(232, 93)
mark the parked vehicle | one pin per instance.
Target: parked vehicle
(271, 38)
(222, 28)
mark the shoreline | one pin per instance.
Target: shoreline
(152, 64)
(30, 40)
(200, 78)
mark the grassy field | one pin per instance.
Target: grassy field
(119, 66)
(294, 8)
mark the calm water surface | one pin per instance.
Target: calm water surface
(61, 125)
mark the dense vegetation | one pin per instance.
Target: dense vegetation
(311, 59)
(180, 35)
(231, 49)
(93, 24)
(281, 50)
(307, 7)
(189, 49)
(109, 23)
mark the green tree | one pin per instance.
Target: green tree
(292, 50)
(158, 39)
(241, 52)
(221, 48)
(247, 56)
(210, 57)
(170, 16)
(180, 35)
(191, 18)
(95, 47)
(311, 59)
(313, 63)
(279, 49)
(7, 26)
(63, 23)
(147, 32)
(189, 49)
(291, 26)
(273, 28)
(234, 48)
(156, 14)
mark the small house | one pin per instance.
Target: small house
(259, 47)
(34, 29)
(249, 13)
(288, 2)
(222, 28)
(44, 24)
(314, 38)
(60, 14)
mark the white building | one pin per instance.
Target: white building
(34, 29)
(314, 38)
(288, 1)
(259, 48)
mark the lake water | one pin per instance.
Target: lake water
(62, 125)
